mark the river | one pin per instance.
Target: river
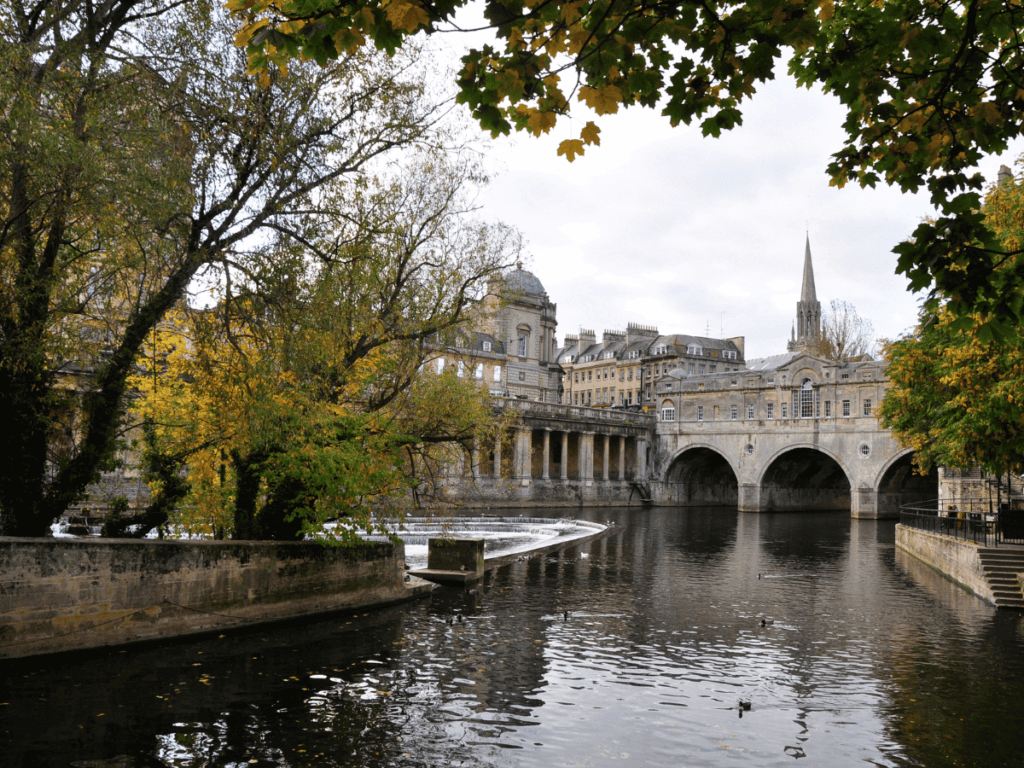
(633, 650)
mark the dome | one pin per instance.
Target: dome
(521, 281)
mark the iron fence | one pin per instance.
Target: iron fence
(978, 520)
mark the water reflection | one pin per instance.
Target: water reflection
(634, 649)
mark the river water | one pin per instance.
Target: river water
(633, 650)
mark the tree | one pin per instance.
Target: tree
(136, 156)
(929, 88)
(303, 398)
(957, 395)
(845, 335)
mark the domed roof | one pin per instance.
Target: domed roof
(521, 281)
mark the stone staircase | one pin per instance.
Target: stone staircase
(1001, 567)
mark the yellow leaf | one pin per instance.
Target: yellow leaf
(591, 134)
(604, 101)
(541, 122)
(570, 148)
(405, 15)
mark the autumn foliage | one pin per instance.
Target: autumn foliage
(957, 395)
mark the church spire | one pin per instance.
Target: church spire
(807, 292)
(808, 309)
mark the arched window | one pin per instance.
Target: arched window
(807, 401)
(668, 410)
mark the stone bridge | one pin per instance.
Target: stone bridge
(795, 433)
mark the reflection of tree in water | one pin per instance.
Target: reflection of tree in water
(959, 710)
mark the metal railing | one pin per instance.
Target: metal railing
(977, 520)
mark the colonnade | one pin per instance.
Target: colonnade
(551, 454)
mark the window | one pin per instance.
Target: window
(691, 369)
(771, 410)
(588, 397)
(694, 349)
(845, 376)
(806, 400)
(622, 375)
(784, 414)
(867, 407)
(733, 412)
(750, 412)
(846, 407)
(668, 412)
(607, 355)
(480, 370)
(460, 371)
(576, 377)
(828, 408)
(700, 413)
(629, 398)
(702, 369)
(629, 376)
(487, 346)
(575, 398)
(522, 344)
(497, 373)
(714, 369)
(606, 372)
(440, 365)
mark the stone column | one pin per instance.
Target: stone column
(622, 458)
(641, 458)
(606, 439)
(546, 466)
(521, 457)
(587, 457)
(474, 459)
(497, 456)
(565, 455)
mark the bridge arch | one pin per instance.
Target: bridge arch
(804, 478)
(898, 484)
(701, 475)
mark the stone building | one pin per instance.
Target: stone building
(622, 369)
(512, 347)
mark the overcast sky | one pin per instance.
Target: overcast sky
(662, 227)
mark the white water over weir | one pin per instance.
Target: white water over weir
(504, 537)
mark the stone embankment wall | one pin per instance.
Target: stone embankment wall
(957, 560)
(72, 594)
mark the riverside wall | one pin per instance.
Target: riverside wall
(956, 559)
(60, 595)
(486, 492)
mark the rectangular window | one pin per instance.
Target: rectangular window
(700, 413)
(846, 407)
(497, 373)
(732, 412)
(828, 408)
(440, 365)
(771, 410)
(714, 369)
(867, 407)
(522, 345)
(622, 375)
(702, 369)
(480, 370)
(590, 375)
(750, 412)
(668, 414)
(460, 371)
(691, 369)
(576, 377)
(487, 346)
(784, 414)
(630, 376)
(575, 398)
(629, 398)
